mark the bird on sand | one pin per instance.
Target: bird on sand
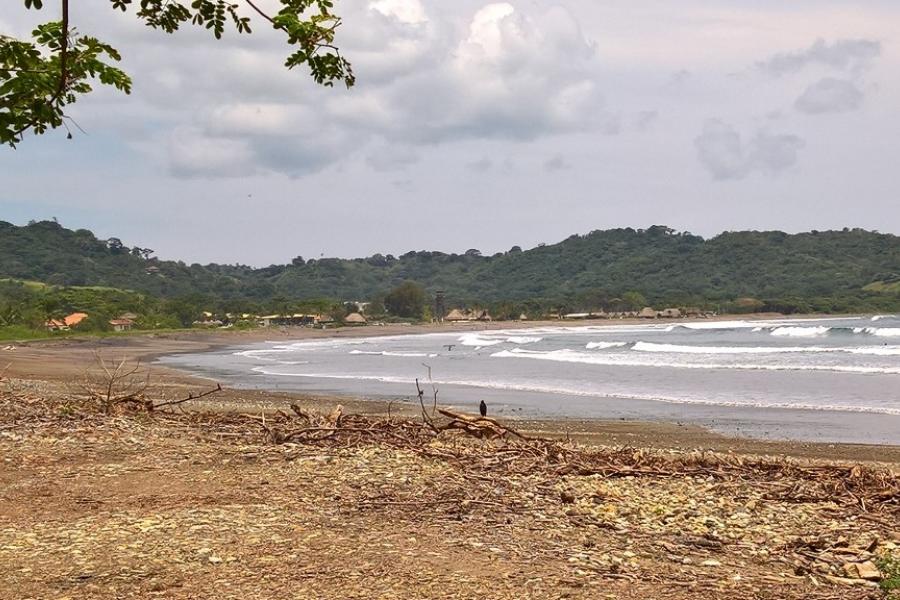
(483, 408)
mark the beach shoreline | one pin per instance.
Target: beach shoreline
(57, 362)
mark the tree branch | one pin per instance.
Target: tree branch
(63, 65)
(260, 12)
(64, 51)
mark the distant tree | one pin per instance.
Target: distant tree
(634, 300)
(144, 253)
(377, 260)
(376, 307)
(298, 261)
(473, 252)
(406, 300)
(41, 76)
(515, 250)
(115, 245)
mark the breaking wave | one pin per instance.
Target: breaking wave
(477, 340)
(604, 345)
(398, 354)
(624, 360)
(523, 339)
(802, 332)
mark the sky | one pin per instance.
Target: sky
(477, 124)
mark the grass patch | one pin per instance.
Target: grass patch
(17, 333)
(889, 565)
(884, 287)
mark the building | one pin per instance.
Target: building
(67, 322)
(354, 319)
(670, 313)
(648, 313)
(121, 324)
(457, 315)
(268, 320)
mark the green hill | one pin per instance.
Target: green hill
(829, 270)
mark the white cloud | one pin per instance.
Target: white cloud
(506, 75)
(723, 152)
(843, 55)
(829, 95)
(405, 11)
(192, 154)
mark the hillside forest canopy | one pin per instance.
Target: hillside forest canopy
(49, 270)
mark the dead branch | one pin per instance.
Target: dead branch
(110, 384)
(486, 426)
(425, 418)
(190, 396)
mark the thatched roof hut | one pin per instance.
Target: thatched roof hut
(648, 313)
(457, 315)
(354, 319)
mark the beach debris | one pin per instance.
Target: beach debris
(124, 384)
(280, 497)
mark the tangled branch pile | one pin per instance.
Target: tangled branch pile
(866, 488)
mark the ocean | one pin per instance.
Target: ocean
(816, 379)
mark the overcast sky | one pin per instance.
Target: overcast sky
(479, 125)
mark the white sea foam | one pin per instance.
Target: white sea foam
(804, 332)
(604, 345)
(397, 354)
(620, 360)
(477, 340)
(682, 349)
(884, 331)
(877, 350)
(719, 325)
(523, 339)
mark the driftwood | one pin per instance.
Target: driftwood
(317, 427)
(112, 385)
(190, 396)
(479, 427)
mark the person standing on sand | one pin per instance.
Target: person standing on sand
(483, 408)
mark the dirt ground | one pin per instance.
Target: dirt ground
(205, 506)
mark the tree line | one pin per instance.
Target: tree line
(852, 270)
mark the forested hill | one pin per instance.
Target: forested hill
(662, 265)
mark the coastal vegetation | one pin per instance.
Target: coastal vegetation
(50, 271)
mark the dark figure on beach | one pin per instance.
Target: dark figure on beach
(483, 408)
